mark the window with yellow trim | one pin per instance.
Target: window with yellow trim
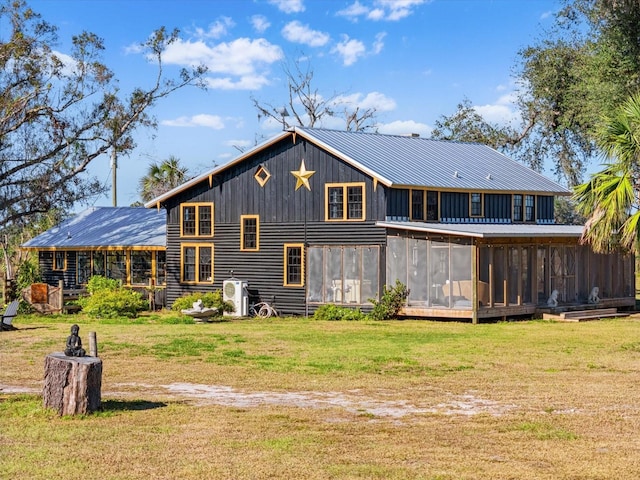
(141, 267)
(517, 208)
(345, 201)
(197, 263)
(196, 219)
(529, 208)
(476, 205)
(262, 175)
(417, 205)
(59, 260)
(249, 232)
(433, 207)
(293, 265)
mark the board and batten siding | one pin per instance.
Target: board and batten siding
(286, 215)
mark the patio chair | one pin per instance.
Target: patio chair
(9, 314)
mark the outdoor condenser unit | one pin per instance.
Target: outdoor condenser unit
(235, 291)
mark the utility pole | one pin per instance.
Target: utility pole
(114, 177)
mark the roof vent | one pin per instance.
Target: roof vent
(456, 175)
(489, 177)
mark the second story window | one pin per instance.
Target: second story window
(433, 213)
(345, 201)
(517, 208)
(529, 208)
(417, 205)
(196, 219)
(476, 204)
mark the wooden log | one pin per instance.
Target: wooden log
(72, 384)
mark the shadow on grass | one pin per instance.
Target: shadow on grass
(127, 405)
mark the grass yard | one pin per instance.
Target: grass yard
(304, 399)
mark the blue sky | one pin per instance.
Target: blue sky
(412, 60)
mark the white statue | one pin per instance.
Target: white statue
(553, 299)
(593, 296)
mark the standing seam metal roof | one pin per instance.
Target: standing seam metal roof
(406, 161)
(101, 227)
(416, 161)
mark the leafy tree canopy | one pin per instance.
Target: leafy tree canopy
(575, 76)
(162, 177)
(58, 113)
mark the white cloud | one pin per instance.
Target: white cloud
(503, 112)
(260, 23)
(288, 6)
(350, 50)
(389, 10)
(375, 100)
(398, 9)
(376, 14)
(69, 65)
(201, 120)
(246, 82)
(353, 11)
(240, 63)
(217, 29)
(299, 33)
(406, 127)
(378, 45)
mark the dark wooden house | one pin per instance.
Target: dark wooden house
(124, 243)
(317, 216)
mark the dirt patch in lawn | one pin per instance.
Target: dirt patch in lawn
(354, 401)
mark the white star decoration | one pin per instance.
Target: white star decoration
(302, 176)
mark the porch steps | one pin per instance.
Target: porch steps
(584, 315)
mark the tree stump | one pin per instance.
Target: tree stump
(72, 384)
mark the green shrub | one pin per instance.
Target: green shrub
(393, 299)
(98, 282)
(209, 300)
(28, 273)
(108, 299)
(336, 312)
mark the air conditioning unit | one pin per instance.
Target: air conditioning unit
(235, 291)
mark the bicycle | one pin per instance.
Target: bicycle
(262, 310)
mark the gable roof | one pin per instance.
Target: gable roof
(398, 160)
(106, 227)
(408, 161)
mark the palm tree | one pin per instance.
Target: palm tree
(162, 177)
(611, 198)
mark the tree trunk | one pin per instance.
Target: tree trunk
(72, 384)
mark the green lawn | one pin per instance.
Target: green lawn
(298, 398)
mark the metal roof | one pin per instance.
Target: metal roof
(486, 230)
(414, 161)
(101, 227)
(406, 161)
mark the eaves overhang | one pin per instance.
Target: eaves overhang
(489, 230)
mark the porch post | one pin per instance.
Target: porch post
(492, 283)
(474, 283)
(505, 280)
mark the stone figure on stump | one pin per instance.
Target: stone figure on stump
(74, 343)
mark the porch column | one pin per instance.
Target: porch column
(474, 282)
(492, 283)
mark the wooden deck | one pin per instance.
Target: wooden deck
(567, 312)
(585, 315)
